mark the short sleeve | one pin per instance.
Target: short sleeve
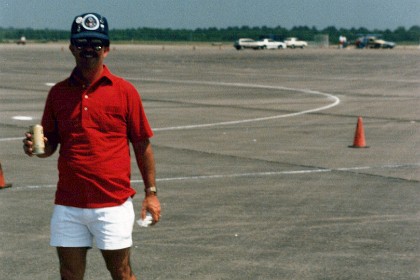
(138, 127)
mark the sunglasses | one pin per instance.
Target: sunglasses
(95, 44)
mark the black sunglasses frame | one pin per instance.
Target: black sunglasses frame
(96, 44)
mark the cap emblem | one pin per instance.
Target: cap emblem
(90, 22)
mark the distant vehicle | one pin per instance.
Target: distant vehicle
(372, 42)
(271, 44)
(246, 43)
(21, 41)
(293, 42)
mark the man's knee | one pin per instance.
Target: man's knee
(121, 273)
(72, 263)
(118, 263)
(70, 274)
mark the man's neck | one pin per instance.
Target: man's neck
(90, 75)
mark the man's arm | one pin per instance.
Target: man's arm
(146, 163)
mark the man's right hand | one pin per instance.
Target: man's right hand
(27, 144)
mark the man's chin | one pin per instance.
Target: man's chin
(88, 55)
(88, 63)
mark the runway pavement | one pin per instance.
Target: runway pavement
(254, 171)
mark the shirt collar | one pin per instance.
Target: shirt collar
(105, 76)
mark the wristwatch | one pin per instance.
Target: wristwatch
(151, 190)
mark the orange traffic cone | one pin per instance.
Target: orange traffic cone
(3, 185)
(359, 136)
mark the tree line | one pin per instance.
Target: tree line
(230, 34)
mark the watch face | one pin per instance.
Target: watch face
(151, 190)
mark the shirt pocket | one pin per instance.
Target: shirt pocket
(110, 119)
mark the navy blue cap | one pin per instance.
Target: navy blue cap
(90, 25)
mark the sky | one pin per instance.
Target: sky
(193, 14)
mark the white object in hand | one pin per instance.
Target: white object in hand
(146, 222)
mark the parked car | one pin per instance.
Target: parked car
(271, 44)
(293, 42)
(372, 42)
(246, 43)
(21, 41)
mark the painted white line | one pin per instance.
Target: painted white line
(50, 84)
(22, 118)
(41, 186)
(11, 139)
(254, 174)
(290, 172)
(335, 101)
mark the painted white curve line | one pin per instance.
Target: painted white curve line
(329, 96)
(335, 101)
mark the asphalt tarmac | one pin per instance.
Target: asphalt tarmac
(254, 171)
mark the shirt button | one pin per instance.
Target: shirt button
(85, 108)
(86, 96)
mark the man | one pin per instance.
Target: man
(94, 115)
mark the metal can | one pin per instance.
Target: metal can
(38, 145)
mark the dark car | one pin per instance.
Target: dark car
(372, 42)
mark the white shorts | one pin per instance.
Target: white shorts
(110, 227)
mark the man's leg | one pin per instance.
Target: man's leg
(72, 262)
(118, 264)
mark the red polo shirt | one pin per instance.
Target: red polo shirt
(93, 125)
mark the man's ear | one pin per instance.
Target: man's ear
(71, 48)
(106, 50)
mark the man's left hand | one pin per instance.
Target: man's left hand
(151, 204)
